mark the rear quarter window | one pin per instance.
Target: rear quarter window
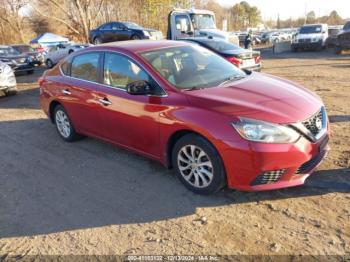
(65, 67)
(85, 66)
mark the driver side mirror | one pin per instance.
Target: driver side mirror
(139, 87)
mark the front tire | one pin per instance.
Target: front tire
(198, 165)
(64, 125)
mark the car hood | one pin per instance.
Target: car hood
(259, 96)
(13, 57)
(213, 32)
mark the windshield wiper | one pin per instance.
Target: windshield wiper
(230, 79)
(193, 88)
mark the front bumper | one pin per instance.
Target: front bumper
(307, 45)
(8, 88)
(244, 163)
(22, 68)
(256, 68)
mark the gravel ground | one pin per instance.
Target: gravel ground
(90, 198)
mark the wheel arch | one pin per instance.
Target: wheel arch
(52, 107)
(174, 137)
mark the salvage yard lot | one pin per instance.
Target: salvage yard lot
(91, 198)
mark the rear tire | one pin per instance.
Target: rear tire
(10, 92)
(49, 63)
(135, 37)
(97, 41)
(64, 125)
(198, 165)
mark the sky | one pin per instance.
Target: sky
(295, 8)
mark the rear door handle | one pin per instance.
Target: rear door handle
(66, 92)
(105, 102)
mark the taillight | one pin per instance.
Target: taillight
(41, 80)
(257, 59)
(236, 61)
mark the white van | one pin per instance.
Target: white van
(311, 37)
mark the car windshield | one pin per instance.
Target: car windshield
(132, 25)
(203, 21)
(192, 67)
(24, 48)
(8, 51)
(221, 46)
(310, 29)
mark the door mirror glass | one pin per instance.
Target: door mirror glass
(139, 87)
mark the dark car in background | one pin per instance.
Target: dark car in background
(343, 39)
(37, 57)
(121, 31)
(19, 62)
(333, 31)
(240, 57)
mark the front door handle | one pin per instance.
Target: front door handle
(66, 92)
(105, 102)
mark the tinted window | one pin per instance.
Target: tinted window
(86, 67)
(192, 66)
(347, 26)
(120, 71)
(106, 26)
(117, 26)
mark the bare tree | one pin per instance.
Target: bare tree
(12, 18)
(79, 16)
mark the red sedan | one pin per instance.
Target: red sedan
(192, 110)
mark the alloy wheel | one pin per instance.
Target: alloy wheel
(195, 166)
(63, 124)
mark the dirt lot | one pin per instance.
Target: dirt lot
(91, 198)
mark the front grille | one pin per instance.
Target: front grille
(315, 123)
(311, 164)
(305, 40)
(268, 177)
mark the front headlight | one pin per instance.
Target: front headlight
(146, 33)
(260, 131)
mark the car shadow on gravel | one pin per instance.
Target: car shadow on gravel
(23, 99)
(24, 78)
(48, 186)
(339, 118)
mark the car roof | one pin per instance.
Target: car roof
(201, 39)
(137, 46)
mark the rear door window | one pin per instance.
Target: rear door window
(107, 26)
(85, 66)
